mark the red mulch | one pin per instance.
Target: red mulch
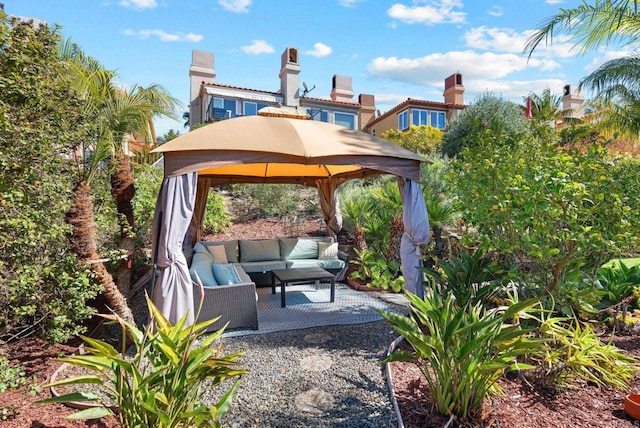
(37, 357)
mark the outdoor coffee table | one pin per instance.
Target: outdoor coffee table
(301, 275)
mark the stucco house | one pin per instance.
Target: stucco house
(211, 100)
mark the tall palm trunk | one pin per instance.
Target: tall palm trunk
(123, 191)
(83, 243)
(395, 238)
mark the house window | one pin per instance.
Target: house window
(222, 108)
(419, 117)
(437, 119)
(345, 119)
(250, 109)
(403, 120)
(317, 114)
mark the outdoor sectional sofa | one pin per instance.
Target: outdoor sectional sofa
(230, 270)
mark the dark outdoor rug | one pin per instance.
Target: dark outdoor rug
(308, 306)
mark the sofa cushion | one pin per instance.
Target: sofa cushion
(324, 264)
(264, 266)
(201, 264)
(295, 249)
(259, 250)
(218, 253)
(327, 250)
(226, 274)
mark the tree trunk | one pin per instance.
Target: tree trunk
(123, 191)
(83, 243)
(359, 240)
(395, 238)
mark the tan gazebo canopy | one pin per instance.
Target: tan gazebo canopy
(272, 149)
(259, 149)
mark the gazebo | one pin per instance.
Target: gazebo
(272, 148)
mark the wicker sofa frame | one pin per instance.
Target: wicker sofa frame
(234, 304)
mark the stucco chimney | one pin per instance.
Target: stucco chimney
(572, 99)
(454, 89)
(289, 71)
(342, 89)
(201, 70)
(367, 109)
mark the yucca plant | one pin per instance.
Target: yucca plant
(461, 350)
(470, 278)
(162, 385)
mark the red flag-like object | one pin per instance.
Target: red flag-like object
(529, 114)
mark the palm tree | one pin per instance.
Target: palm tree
(441, 211)
(390, 200)
(357, 209)
(118, 114)
(546, 108)
(616, 82)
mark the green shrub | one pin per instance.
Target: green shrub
(162, 385)
(377, 272)
(215, 218)
(461, 350)
(148, 180)
(43, 289)
(277, 200)
(488, 117)
(544, 209)
(420, 139)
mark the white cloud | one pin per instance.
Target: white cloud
(139, 4)
(514, 90)
(432, 69)
(235, 6)
(509, 40)
(496, 11)
(319, 50)
(348, 3)
(433, 12)
(606, 56)
(554, 1)
(164, 36)
(257, 47)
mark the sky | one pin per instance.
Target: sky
(391, 49)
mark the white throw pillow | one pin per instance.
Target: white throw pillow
(327, 250)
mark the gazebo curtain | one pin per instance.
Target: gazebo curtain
(416, 233)
(330, 205)
(202, 193)
(173, 291)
